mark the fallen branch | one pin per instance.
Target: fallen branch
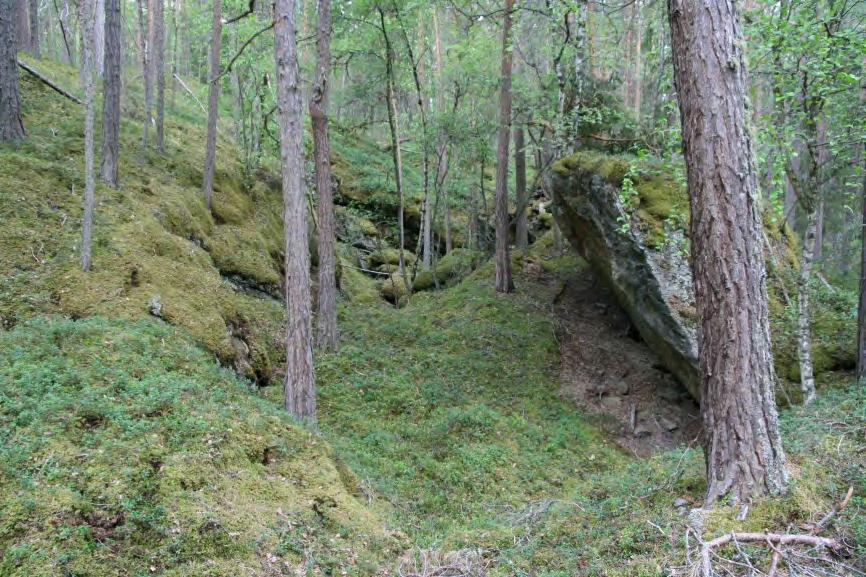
(49, 83)
(775, 538)
(190, 92)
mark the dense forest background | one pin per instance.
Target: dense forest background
(393, 287)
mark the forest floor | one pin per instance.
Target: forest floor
(607, 369)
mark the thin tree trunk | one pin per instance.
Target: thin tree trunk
(521, 228)
(861, 310)
(11, 124)
(804, 317)
(145, 73)
(34, 28)
(86, 18)
(395, 141)
(504, 283)
(326, 335)
(742, 446)
(63, 32)
(213, 103)
(99, 37)
(111, 81)
(300, 387)
(159, 70)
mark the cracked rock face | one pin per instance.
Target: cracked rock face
(652, 284)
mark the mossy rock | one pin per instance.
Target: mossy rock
(240, 250)
(424, 280)
(389, 256)
(393, 288)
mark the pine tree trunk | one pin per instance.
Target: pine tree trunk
(300, 389)
(34, 28)
(742, 446)
(861, 310)
(11, 125)
(22, 26)
(213, 104)
(145, 74)
(111, 80)
(99, 37)
(158, 7)
(504, 284)
(395, 142)
(521, 227)
(86, 18)
(326, 335)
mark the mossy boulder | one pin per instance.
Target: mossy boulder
(629, 220)
(389, 256)
(393, 288)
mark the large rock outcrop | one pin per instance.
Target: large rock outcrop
(628, 223)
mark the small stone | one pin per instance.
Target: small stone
(668, 424)
(642, 431)
(155, 306)
(680, 502)
(622, 388)
(611, 402)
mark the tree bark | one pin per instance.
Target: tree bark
(742, 446)
(504, 283)
(34, 28)
(861, 310)
(521, 228)
(326, 330)
(11, 124)
(86, 18)
(395, 141)
(213, 103)
(99, 37)
(300, 388)
(22, 25)
(111, 81)
(144, 41)
(804, 333)
(158, 51)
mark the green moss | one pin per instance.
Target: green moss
(389, 256)
(239, 250)
(148, 236)
(127, 450)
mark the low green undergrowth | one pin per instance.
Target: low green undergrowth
(125, 450)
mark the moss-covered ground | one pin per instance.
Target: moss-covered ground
(128, 446)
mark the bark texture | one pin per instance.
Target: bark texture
(34, 28)
(213, 104)
(504, 283)
(158, 50)
(144, 40)
(86, 22)
(861, 311)
(11, 125)
(299, 391)
(326, 330)
(111, 82)
(742, 446)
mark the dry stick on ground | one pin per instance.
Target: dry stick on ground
(27, 68)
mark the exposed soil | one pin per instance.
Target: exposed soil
(607, 369)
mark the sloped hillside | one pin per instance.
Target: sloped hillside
(126, 451)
